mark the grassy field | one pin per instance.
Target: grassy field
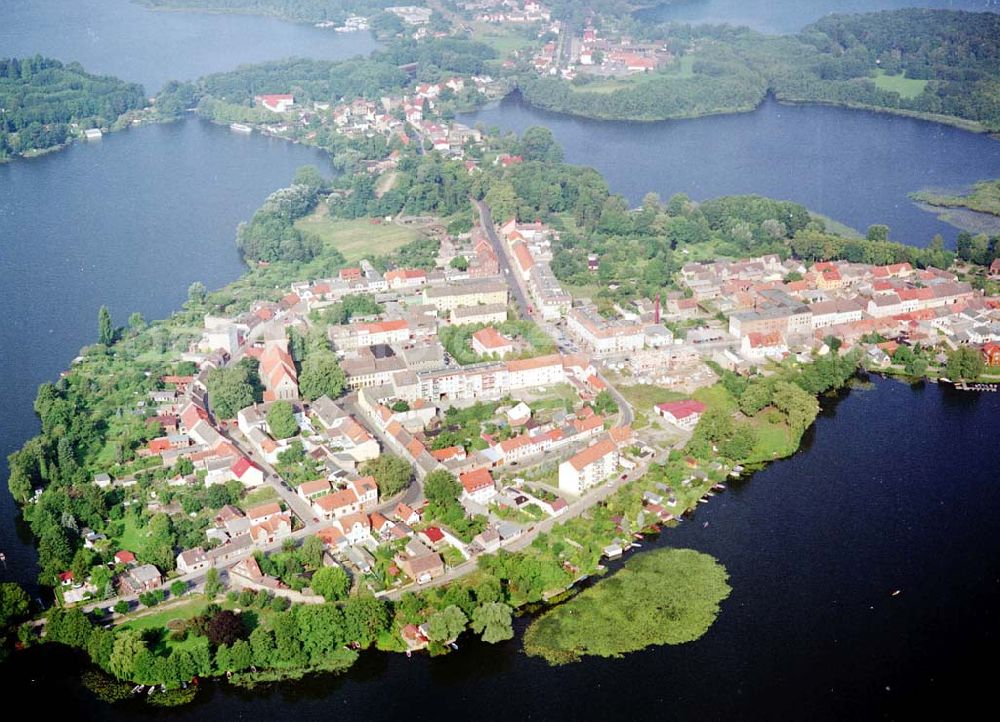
(133, 537)
(259, 496)
(158, 620)
(356, 239)
(773, 441)
(612, 85)
(504, 43)
(644, 396)
(906, 87)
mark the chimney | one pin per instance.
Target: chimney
(656, 309)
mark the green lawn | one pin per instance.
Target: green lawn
(772, 440)
(133, 537)
(716, 397)
(356, 239)
(158, 620)
(644, 396)
(504, 43)
(906, 87)
(259, 496)
(613, 85)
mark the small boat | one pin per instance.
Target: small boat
(240, 128)
(151, 690)
(409, 653)
(454, 646)
(897, 592)
(705, 525)
(138, 688)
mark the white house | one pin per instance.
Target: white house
(589, 467)
(478, 485)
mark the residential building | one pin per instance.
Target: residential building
(589, 467)
(683, 414)
(478, 485)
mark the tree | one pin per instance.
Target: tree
(128, 647)
(121, 607)
(878, 232)
(136, 322)
(798, 405)
(212, 583)
(14, 603)
(230, 390)
(225, 627)
(441, 487)
(493, 621)
(100, 577)
(756, 396)
(105, 327)
(197, 293)
(281, 420)
(311, 552)
(538, 143)
(321, 375)
(459, 263)
(332, 583)
(391, 472)
(965, 363)
(309, 175)
(446, 625)
(604, 403)
(178, 588)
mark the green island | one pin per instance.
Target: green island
(45, 104)
(667, 596)
(244, 438)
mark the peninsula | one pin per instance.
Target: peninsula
(45, 104)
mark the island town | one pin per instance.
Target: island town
(535, 414)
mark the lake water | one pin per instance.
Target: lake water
(894, 489)
(129, 221)
(855, 167)
(118, 37)
(788, 16)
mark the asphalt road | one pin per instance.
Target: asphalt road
(506, 268)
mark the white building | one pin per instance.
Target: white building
(589, 467)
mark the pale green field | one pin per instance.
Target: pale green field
(356, 239)
(906, 87)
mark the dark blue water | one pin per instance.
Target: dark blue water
(787, 16)
(118, 37)
(894, 489)
(855, 167)
(130, 221)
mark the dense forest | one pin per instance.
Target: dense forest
(324, 80)
(41, 99)
(925, 61)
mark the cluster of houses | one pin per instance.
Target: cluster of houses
(502, 12)
(598, 56)
(398, 119)
(768, 315)
(530, 246)
(132, 578)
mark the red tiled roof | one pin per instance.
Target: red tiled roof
(682, 409)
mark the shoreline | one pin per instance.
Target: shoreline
(970, 126)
